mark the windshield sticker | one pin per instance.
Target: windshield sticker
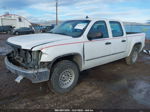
(80, 26)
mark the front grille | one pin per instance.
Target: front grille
(24, 58)
(18, 56)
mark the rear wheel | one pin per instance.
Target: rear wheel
(16, 33)
(8, 32)
(64, 76)
(133, 56)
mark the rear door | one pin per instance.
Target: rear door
(1, 28)
(29, 30)
(26, 30)
(97, 50)
(119, 40)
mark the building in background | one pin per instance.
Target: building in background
(14, 21)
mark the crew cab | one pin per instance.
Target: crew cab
(59, 56)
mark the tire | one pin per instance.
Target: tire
(132, 59)
(64, 77)
(8, 32)
(16, 33)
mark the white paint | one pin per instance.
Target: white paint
(28, 41)
(80, 26)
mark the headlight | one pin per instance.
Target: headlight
(34, 58)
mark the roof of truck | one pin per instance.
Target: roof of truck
(97, 19)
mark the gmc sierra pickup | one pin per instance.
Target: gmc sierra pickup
(59, 56)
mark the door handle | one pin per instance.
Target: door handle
(123, 41)
(107, 43)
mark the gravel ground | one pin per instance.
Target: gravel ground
(111, 86)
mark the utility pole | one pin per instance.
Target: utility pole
(56, 12)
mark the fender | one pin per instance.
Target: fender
(137, 43)
(63, 56)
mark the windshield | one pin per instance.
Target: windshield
(74, 28)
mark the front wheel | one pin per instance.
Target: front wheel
(133, 56)
(64, 76)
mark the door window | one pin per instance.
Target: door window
(99, 27)
(116, 29)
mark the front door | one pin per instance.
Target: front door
(98, 49)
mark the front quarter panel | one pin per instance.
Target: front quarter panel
(52, 52)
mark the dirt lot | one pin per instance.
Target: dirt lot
(112, 86)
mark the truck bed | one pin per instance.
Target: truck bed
(135, 37)
(132, 33)
(136, 34)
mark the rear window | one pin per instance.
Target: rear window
(116, 29)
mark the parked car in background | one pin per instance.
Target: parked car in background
(23, 30)
(6, 29)
(47, 28)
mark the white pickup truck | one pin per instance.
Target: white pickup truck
(59, 56)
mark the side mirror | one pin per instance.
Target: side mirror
(95, 35)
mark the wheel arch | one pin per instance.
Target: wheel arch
(138, 44)
(75, 57)
(131, 59)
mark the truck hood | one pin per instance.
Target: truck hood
(31, 41)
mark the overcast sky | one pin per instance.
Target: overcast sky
(43, 10)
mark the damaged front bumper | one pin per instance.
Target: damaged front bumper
(35, 76)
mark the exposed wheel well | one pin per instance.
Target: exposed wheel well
(138, 45)
(72, 57)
